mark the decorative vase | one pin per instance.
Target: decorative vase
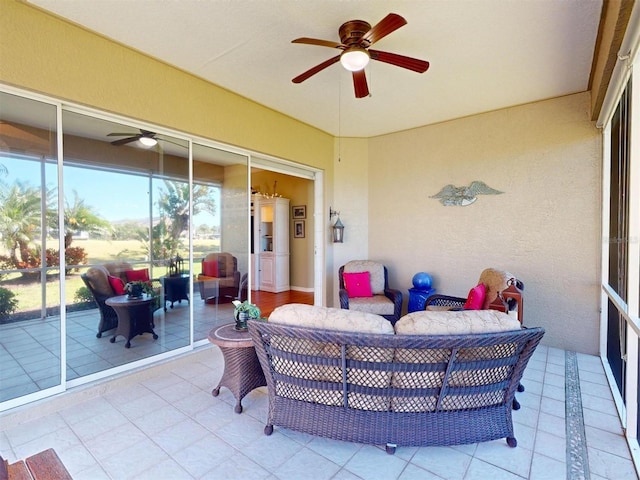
(241, 321)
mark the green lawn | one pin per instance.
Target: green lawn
(29, 293)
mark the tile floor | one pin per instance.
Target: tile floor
(30, 349)
(162, 423)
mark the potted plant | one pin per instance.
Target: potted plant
(136, 288)
(243, 312)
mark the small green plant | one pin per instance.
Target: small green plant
(252, 310)
(8, 302)
(137, 288)
(83, 294)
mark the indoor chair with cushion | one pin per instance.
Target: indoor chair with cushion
(364, 286)
(108, 280)
(223, 269)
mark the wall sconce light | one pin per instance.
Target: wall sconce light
(338, 227)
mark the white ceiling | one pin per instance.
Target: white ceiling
(484, 54)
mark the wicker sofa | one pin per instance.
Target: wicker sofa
(435, 378)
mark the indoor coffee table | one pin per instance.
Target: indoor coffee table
(135, 316)
(242, 370)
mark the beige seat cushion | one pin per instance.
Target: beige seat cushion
(376, 271)
(495, 282)
(378, 305)
(455, 323)
(332, 319)
(118, 269)
(98, 278)
(329, 318)
(451, 323)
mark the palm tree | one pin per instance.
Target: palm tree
(79, 217)
(20, 218)
(174, 205)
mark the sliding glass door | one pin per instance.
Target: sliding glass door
(30, 326)
(125, 205)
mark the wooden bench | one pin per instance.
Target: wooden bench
(45, 465)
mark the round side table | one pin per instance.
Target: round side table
(135, 316)
(242, 370)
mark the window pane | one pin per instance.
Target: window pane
(29, 274)
(221, 236)
(124, 220)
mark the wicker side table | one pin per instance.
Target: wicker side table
(242, 370)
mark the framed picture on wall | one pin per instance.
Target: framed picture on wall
(298, 229)
(299, 211)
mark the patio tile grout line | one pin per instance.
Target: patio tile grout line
(577, 454)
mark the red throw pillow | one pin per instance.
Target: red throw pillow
(475, 300)
(133, 275)
(358, 284)
(117, 284)
(210, 269)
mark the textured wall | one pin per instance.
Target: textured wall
(48, 55)
(545, 228)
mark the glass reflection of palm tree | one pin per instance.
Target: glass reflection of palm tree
(174, 205)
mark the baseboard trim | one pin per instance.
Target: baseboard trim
(302, 289)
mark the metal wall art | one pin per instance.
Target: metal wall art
(451, 195)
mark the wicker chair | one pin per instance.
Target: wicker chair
(97, 281)
(384, 301)
(225, 273)
(502, 293)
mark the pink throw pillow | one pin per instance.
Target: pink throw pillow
(358, 284)
(475, 300)
(117, 284)
(133, 275)
(210, 269)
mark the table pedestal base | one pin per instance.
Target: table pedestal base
(242, 370)
(240, 373)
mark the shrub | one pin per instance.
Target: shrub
(76, 256)
(83, 294)
(8, 302)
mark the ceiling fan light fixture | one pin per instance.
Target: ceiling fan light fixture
(354, 58)
(148, 141)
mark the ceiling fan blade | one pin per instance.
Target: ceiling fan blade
(360, 84)
(124, 141)
(316, 41)
(384, 27)
(312, 71)
(113, 134)
(409, 63)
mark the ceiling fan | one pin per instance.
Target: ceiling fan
(146, 138)
(356, 36)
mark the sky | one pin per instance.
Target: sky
(113, 196)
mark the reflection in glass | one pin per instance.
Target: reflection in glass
(132, 219)
(29, 249)
(129, 213)
(220, 247)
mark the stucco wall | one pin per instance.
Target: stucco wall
(351, 192)
(51, 56)
(545, 228)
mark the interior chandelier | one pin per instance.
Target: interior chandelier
(354, 58)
